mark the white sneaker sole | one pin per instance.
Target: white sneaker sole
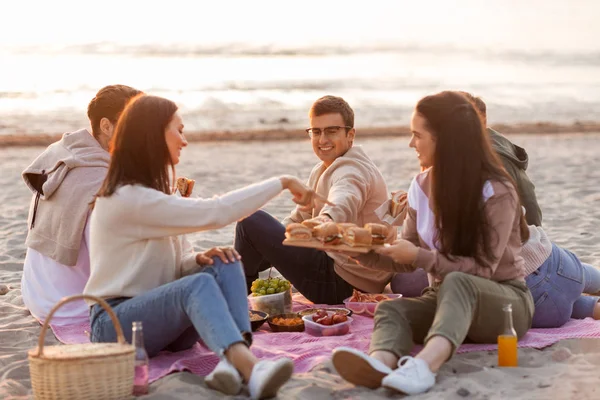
(225, 383)
(357, 370)
(278, 377)
(389, 384)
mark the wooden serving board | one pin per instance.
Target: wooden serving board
(315, 244)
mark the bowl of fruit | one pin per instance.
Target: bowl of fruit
(327, 323)
(337, 310)
(272, 296)
(289, 322)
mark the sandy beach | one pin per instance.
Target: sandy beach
(564, 167)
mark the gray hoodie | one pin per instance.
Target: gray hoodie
(64, 180)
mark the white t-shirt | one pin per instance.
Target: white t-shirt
(45, 282)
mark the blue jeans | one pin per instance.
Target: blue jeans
(557, 288)
(258, 240)
(210, 305)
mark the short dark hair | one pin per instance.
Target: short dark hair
(108, 103)
(477, 102)
(333, 105)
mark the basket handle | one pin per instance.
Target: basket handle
(65, 300)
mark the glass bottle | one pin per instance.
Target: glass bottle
(507, 341)
(140, 386)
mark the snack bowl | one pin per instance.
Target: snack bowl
(337, 310)
(367, 308)
(272, 304)
(257, 323)
(317, 329)
(275, 327)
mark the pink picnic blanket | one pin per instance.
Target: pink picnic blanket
(307, 351)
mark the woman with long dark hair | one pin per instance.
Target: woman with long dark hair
(146, 270)
(465, 227)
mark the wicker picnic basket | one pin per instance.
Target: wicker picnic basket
(82, 371)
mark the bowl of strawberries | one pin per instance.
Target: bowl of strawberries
(327, 323)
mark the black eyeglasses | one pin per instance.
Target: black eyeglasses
(329, 131)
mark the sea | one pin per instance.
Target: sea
(239, 65)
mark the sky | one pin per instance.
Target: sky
(473, 22)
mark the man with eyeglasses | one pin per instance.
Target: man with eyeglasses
(349, 180)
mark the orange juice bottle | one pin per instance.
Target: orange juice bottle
(507, 341)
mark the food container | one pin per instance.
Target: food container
(272, 304)
(337, 310)
(286, 328)
(258, 322)
(367, 308)
(316, 329)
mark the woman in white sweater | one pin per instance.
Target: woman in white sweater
(143, 266)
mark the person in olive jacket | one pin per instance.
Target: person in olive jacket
(515, 160)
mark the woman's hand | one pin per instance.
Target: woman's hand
(226, 254)
(303, 195)
(401, 251)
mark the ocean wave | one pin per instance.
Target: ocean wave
(561, 57)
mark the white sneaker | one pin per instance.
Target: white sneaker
(359, 368)
(268, 376)
(224, 378)
(413, 376)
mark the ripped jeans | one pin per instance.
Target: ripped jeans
(557, 287)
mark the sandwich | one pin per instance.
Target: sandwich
(355, 236)
(185, 186)
(328, 233)
(311, 223)
(378, 233)
(345, 225)
(298, 233)
(399, 203)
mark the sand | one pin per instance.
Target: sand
(564, 167)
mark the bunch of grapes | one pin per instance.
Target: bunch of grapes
(262, 287)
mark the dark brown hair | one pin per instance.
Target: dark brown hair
(139, 152)
(108, 103)
(333, 105)
(463, 162)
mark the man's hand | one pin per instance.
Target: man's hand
(226, 254)
(321, 219)
(305, 197)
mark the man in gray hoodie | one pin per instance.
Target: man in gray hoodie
(64, 180)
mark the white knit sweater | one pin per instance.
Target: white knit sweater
(537, 249)
(135, 242)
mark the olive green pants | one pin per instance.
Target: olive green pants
(462, 306)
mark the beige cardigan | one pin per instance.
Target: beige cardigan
(357, 188)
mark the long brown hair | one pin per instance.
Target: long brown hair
(463, 161)
(139, 152)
